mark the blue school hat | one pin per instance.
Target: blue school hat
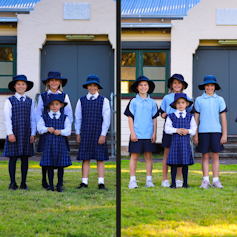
(209, 79)
(55, 75)
(177, 77)
(143, 78)
(53, 97)
(178, 96)
(92, 79)
(12, 83)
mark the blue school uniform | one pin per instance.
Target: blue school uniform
(21, 126)
(180, 150)
(91, 128)
(55, 152)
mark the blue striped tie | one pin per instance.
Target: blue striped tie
(54, 116)
(21, 99)
(180, 114)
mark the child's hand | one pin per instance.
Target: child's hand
(179, 131)
(153, 138)
(78, 138)
(164, 115)
(184, 131)
(195, 140)
(223, 140)
(134, 138)
(11, 138)
(57, 132)
(101, 140)
(32, 139)
(51, 130)
(68, 137)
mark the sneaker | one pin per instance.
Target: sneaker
(205, 184)
(173, 186)
(24, 186)
(149, 184)
(102, 186)
(217, 184)
(132, 184)
(179, 183)
(13, 186)
(82, 185)
(165, 184)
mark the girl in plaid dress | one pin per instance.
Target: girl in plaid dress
(181, 125)
(54, 85)
(55, 127)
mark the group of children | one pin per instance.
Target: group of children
(209, 134)
(52, 120)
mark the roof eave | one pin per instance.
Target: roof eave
(153, 16)
(146, 25)
(20, 10)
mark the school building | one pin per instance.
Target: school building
(74, 37)
(193, 37)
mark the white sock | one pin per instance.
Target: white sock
(132, 178)
(101, 180)
(215, 179)
(85, 181)
(206, 178)
(148, 178)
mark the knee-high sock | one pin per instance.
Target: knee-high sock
(44, 172)
(51, 175)
(60, 176)
(24, 168)
(12, 169)
(173, 174)
(185, 174)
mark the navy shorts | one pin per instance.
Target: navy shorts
(209, 142)
(141, 145)
(166, 140)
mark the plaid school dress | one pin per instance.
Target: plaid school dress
(91, 128)
(21, 127)
(180, 149)
(55, 152)
(44, 97)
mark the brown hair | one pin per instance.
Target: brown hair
(59, 88)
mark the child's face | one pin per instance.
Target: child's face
(181, 104)
(55, 106)
(177, 86)
(143, 87)
(20, 87)
(53, 84)
(93, 88)
(209, 88)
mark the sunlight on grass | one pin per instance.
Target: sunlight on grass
(73, 166)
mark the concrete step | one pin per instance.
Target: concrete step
(232, 138)
(221, 155)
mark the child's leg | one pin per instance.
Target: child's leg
(215, 164)
(60, 177)
(50, 176)
(85, 171)
(173, 175)
(44, 172)
(24, 168)
(12, 169)
(100, 171)
(149, 164)
(205, 164)
(179, 172)
(165, 166)
(185, 175)
(133, 164)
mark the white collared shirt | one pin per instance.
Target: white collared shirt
(41, 128)
(169, 129)
(105, 114)
(67, 109)
(7, 112)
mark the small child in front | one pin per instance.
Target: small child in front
(142, 113)
(180, 125)
(55, 127)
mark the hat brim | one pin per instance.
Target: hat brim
(202, 86)
(63, 79)
(150, 83)
(47, 105)
(174, 106)
(11, 85)
(90, 82)
(170, 80)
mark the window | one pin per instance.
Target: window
(7, 66)
(150, 63)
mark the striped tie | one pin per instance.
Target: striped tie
(54, 116)
(21, 99)
(180, 115)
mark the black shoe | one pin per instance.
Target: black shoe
(60, 189)
(82, 185)
(13, 186)
(102, 186)
(24, 186)
(45, 185)
(50, 188)
(173, 186)
(186, 186)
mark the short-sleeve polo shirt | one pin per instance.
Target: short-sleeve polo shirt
(209, 108)
(143, 111)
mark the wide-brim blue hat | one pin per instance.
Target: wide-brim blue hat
(143, 78)
(178, 96)
(53, 97)
(177, 77)
(55, 75)
(12, 83)
(92, 79)
(209, 79)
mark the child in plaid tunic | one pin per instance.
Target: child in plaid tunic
(19, 120)
(181, 125)
(55, 127)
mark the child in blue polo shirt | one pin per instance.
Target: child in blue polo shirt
(211, 133)
(142, 115)
(176, 84)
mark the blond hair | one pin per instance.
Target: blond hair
(59, 88)
(171, 89)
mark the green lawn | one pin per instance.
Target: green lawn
(87, 212)
(179, 212)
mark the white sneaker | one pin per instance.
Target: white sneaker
(149, 184)
(179, 183)
(165, 184)
(132, 184)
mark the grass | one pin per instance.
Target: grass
(179, 212)
(87, 212)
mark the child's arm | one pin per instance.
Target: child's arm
(224, 128)
(193, 128)
(78, 120)
(32, 123)
(195, 137)
(39, 109)
(162, 108)
(153, 137)
(68, 109)
(131, 127)
(67, 129)
(169, 129)
(41, 128)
